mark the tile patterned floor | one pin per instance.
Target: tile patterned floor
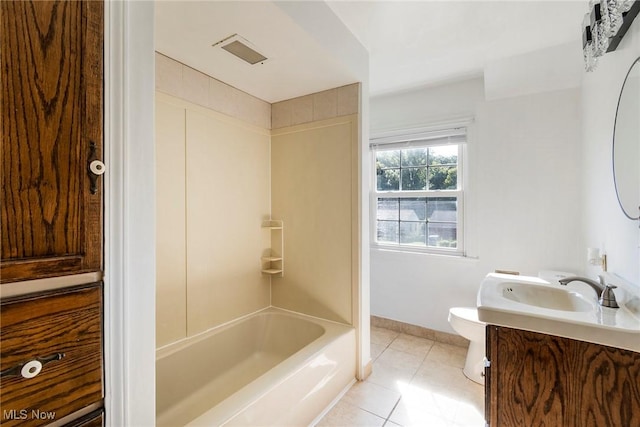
(415, 382)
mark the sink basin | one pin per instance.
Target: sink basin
(572, 311)
(543, 297)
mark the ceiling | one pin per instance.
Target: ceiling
(410, 43)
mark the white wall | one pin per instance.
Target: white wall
(523, 199)
(604, 224)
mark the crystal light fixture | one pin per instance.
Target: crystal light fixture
(599, 30)
(604, 26)
(588, 50)
(612, 11)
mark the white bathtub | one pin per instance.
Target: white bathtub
(271, 368)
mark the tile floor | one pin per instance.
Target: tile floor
(415, 382)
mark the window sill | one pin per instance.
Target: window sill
(420, 251)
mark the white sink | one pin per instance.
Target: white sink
(572, 311)
(546, 297)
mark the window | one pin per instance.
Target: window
(417, 200)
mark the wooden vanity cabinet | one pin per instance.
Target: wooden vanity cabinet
(536, 379)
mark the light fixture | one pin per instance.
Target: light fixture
(242, 49)
(604, 26)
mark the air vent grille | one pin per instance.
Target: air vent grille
(241, 48)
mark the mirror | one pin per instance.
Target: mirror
(626, 144)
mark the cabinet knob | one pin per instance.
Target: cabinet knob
(95, 168)
(31, 368)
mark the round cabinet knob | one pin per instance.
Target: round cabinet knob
(31, 369)
(97, 167)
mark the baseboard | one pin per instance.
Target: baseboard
(419, 331)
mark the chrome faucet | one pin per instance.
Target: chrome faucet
(605, 292)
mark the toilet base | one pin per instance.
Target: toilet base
(474, 365)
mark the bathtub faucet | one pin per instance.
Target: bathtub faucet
(605, 292)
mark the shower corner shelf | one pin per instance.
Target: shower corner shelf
(273, 263)
(273, 224)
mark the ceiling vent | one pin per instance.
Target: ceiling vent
(241, 48)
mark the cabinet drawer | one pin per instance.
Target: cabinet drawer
(94, 419)
(64, 327)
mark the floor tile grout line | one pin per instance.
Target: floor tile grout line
(393, 409)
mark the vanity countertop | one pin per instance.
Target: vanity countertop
(572, 311)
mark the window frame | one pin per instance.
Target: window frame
(450, 136)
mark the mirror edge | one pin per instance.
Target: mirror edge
(613, 145)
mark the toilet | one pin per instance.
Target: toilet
(464, 320)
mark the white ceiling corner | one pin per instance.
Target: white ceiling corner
(410, 43)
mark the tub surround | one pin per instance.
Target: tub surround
(209, 235)
(314, 191)
(182, 81)
(222, 170)
(328, 104)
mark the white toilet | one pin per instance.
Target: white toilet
(464, 320)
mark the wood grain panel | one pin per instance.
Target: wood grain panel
(534, 384)
(51, 72)
(542, 380)
(607, 391)
(39, 326)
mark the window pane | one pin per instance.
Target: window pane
(413, 233)
(413, 209)
(388, 159)
(414, 179)
(387, 231)
(388, 179)
(442, 227)
(443, 178)
(443, 235)
(414, 157)
(442, 209)
(443, 155)
(388, 209)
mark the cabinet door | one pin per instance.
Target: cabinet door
(544, 380)
(606, 384)
(528, 379)
(51, 77)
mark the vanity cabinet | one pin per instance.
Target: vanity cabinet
(536, 379)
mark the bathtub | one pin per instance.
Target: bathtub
(273, 367)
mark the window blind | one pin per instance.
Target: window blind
(421, 139)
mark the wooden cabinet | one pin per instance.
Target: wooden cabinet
(51, 354)
(94, 419)
(542, 380)
(51, 77)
